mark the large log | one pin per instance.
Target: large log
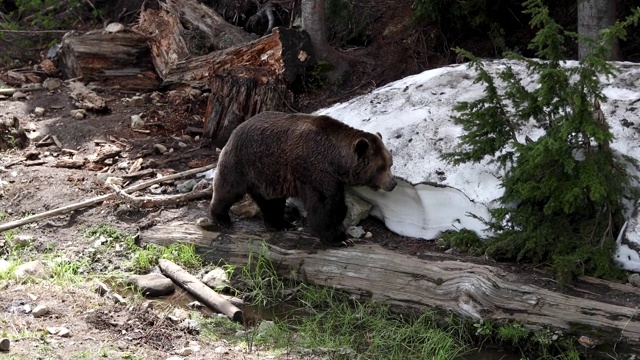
(471, 290)
(284, 53)
(214, 31)
(115, 60)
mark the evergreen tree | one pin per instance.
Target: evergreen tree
(568, 184)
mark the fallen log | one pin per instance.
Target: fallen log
(284, 53)
(114, 60)
(213, 31)
(98, 199)
(199, 290)
(471, 290)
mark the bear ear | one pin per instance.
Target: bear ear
(379, 135)
(361, 146)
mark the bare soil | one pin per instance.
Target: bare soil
(98, 327)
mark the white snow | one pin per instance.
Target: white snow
(414, 117)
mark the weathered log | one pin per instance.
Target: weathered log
(214, 31)
(284, 53)
(199, 290)
(164, 32)
(238, 95)
(471, 290)
(70, 163)
(114, 60)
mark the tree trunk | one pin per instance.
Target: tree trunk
(314, 22)
(433, 280)
(593, 16)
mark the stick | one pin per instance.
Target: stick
(99, 199)
(161, 200)
(202, 292)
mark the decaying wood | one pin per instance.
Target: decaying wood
(70, 163)
(202, 292)
(164, 32)
(107, 151)
(85, 98)
(217, 33)
(99, 199)
(471, 290)
(284, 53)
(115, 60)
(238, 95)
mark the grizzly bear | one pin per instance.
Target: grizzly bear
(273, 156)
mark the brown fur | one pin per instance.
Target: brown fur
(273, 156)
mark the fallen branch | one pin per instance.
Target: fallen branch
(99, 199)
(157, 201)
(202, 292)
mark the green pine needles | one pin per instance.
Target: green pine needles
(562, 203)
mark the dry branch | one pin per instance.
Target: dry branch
(471, 290)
(161, 200)
(98, 199)
(201, 291)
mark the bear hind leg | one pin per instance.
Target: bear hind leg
(221, 203)
(272, 212)
(325, 215)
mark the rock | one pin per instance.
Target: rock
(160, 149)
(216, 279)
(101, 288)
(118, 299)
(39, 111)
(51, 83)
(265, 326)
(195, 305)
(184, 351)
(40, 310)
(64, 332)
(32, 268)
(368, 235)
(181, 144)
(4, 265)
(32, 297)
(135, 101)
(180, 314)
(5, 344)
(186, 186)
(355, 231)
(22, 240)
(357, 210)
(78, 114)
(136, 121)
(152, 284)
(114, 27)
(156, 97)
(18, 95)
(190, 326)
(634, 279)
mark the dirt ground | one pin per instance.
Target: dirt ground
(98, 327)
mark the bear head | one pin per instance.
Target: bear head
(373, 163)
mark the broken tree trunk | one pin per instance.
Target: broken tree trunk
(207, 25)
(471, 290)
(115, 60)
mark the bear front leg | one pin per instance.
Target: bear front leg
(272, 212)
(325, 214)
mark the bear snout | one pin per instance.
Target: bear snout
(390, 185)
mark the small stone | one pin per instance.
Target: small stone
(186, 186)
(5, 344)
(118, 299)
(265, 326)
(78, 114)
(216, 279)
(32, 297)
(32, 268)
(180, 314)
(51, 83)
(190, 325)
(26, 308)
(136, 121)
(136, 101)
(220, 350)
(53, 330)
(4, 265)
(114, 27)
(195, 305)
(181, 144)
(634, 279)
(64, 332)
(355, 231)
(160, 149)
(40, 310)
(368, 235)
(184, 351)
(19, 95)
(101, 288)
(39, 111)
(152, 284)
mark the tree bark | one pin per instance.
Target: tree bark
(471, 290)
(593, 16)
